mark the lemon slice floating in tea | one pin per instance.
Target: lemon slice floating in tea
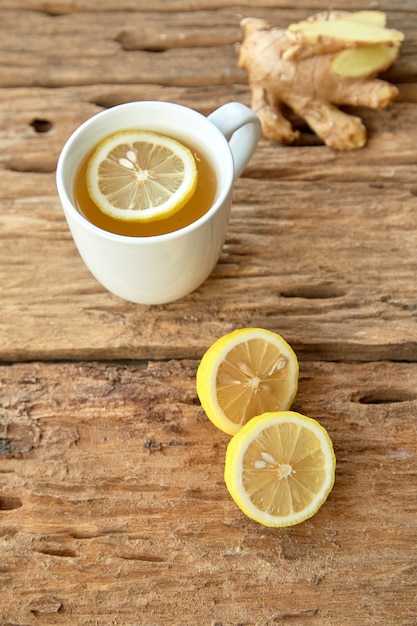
(280, 468)
(245, 373)
(138, 175)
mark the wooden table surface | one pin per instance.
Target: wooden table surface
(113, 509)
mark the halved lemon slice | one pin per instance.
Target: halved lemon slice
(138, 175)
(280, 468)
(245, 373)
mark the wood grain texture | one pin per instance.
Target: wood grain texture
(312, 232)
(124, 46)
(113, 508)
(320, 245)
(61, 7)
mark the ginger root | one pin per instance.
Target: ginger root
(315, 66)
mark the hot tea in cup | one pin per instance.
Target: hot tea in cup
(147, 262)
(199, 203)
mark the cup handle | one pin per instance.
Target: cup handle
(242, 129)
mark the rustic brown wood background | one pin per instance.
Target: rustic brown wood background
(113, 509)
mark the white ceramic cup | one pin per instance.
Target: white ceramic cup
(163, 268)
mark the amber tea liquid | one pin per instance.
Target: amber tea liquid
(198, 205)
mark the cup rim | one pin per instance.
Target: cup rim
(68, 204)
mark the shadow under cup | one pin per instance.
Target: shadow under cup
(160, 268)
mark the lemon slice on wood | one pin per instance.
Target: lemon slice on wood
(280, 468)
(245, 373)
(138, 175)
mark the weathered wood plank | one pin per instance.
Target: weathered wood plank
(39, 49)
(214, 26)
(320, 244)
(306, 261)
(58, 7)
(113, 508)
(27, 149)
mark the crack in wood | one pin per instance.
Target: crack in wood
(386, 396)
(9, 503)
(149, 558)
(6, 447)
(62, 553)
(157, 446)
